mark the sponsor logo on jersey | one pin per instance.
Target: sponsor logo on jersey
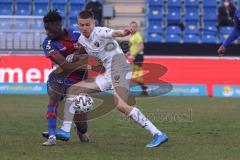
(110, 46)
(96, 44)
(48, 47)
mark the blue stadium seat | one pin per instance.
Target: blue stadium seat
(192, 3)
(155, 26)
(192, 14)
(208, 38)
(226, 30)
(76, 5)
(173, 30)
(101, 1)
(174, 3)
(6, 7)
(41, 7)
(223, 37)
(191, 38)
(191, 27)
(23, 7)
(155, 13)
(60, 5)
(173, 38)
(209, 23)
(72, 18)
(210, 18)
(156, 3)
(174, 14)
(210, 15)
(154, 37)
(210, 30)
(209, 3)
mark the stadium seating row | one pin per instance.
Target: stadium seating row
(183, 21)
(174, 35)
(68, 8)
(39, 7)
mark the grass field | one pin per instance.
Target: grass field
(198, 128)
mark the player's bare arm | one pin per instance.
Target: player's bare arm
(124, 32)
(67, 67)
(75, 57)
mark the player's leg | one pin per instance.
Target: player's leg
(81, 126)
(121, 82)
(54, 93)
(85, 86)
(64, 132)
(138, 73)
(137, 116)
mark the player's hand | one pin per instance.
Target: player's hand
(69, 58)
(98, 68)
(128, 30)
(77, 46)
(221, 51)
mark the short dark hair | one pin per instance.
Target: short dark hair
(52, 16)
(86, 14)
(134, 22)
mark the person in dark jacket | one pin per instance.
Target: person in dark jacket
(226, 13)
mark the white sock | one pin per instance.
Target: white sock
(68, 117)
(139, 118)
(66, 126)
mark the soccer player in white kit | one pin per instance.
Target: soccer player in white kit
(99, 42)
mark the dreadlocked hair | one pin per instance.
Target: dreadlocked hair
(52, 16)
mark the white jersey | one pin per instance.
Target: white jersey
(101, 45)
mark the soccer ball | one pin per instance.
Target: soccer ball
(83, 103)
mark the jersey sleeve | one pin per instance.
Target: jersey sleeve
(234, 35)
(75, 33)
(48, 48)
(105, 32)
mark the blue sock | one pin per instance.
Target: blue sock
(52, 119)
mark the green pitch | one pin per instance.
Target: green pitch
(198, 128)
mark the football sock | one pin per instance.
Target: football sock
(66, 126)
(139, 118)
(68, 117)
(52, 119)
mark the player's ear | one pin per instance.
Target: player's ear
(94, 22)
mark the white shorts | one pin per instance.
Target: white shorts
(118, 75)
(103, 82)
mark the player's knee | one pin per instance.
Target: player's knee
(72, 90)
(54, 97)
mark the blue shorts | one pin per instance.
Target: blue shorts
(60, 81)
(138, 60)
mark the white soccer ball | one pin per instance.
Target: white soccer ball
(83, 103)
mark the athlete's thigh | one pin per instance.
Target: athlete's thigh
(54, 94)
(120, 94)
(121, 76)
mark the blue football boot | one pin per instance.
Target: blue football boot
(158, 139)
